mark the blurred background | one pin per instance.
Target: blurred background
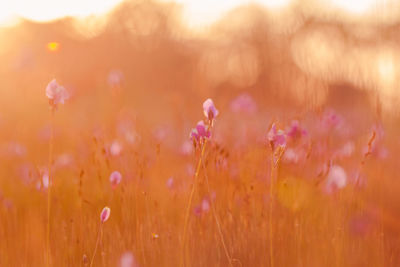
(298, 53)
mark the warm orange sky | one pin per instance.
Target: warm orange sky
(197, 12)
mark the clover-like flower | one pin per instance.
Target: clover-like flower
(105, 214)
(56, 94)
(276, 138)
(209, 109)
(115, 179)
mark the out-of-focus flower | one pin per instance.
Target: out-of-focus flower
(64, 160)
(128, 260)
(44, 181)
(115, 78)
(360, 225)
(244, 103)
(105, 214)
(336, 179)
(115, 179)
(186, 148)
(13, 149)
(209, 109)
(346, 151)
(295, 131)
(205, 205)
(330, 120)
(170, 182)
(56, 94)
(276, 138)
(115, 148)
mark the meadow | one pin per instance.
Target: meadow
(136, 143)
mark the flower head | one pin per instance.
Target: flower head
(115, 178)
(336, 179)
(209, 109)
(276, 138)
(56, 93)
(295, 130)
(105, 214)
(128, 260)
(200, 133)
(244, 103)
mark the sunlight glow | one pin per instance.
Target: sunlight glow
(195, 12)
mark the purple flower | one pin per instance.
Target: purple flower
(276, 138)
(200, 133)
(295, 131)
(209, 109)
(56, 93)
(105, 214)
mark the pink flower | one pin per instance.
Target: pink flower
(331, 120)
(105, 214)
(115, 179)
(56, 93)
(128, 260)
(336, 179)
(295, 131)
(115, 148)
(205, 205)
(200, 133)
(115, 78)
(244, 103)
(209, 109)
(276, 137)
(186, 148)
(170, 182)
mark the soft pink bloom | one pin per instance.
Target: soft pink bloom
(205, 205)
(336, 179)
(115, 148)
(115, 78)
(64, 160)
(295, 131)
(128, 260)
(360, 225)
(186, 148)
(200, 133)
(105, 214)
(330, 120)
(346, 151)
(244, 103)
(276, 138)
(170, 182)
(56, 94)
(209, 109)
(44, 181)
(115, 179)
(161, 133)
(291, 156)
